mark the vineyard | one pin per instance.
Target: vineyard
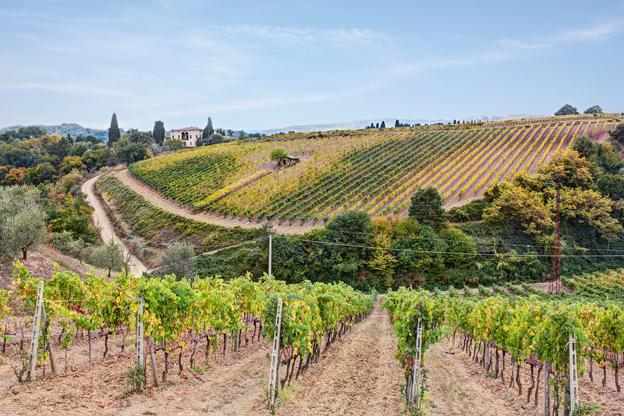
(376, 171)
(529, 329)
(177, 318)
(149, 221)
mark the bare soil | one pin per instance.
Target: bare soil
(358, 377)
(105, 228)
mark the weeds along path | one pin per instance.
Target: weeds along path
(157, 199)
(358, 376)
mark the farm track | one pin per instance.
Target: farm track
(157, 199)
(359, 377)
(105, 227)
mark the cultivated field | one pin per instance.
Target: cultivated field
(373, 170)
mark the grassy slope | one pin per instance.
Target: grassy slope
(159, 227)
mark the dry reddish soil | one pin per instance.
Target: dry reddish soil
(359, 377)
(607, 399)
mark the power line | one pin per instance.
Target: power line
(331, 243)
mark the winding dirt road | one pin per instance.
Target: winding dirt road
(105, 227)
(157, 199)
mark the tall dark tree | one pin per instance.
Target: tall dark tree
(113, 131)
(207, 132)
(566, 110)
(383, 125)
(426, 206)
(397, 124)
(159, 132)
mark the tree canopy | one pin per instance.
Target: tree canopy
(594, 109)
(22, 220)
(566, 110)
(426, 206)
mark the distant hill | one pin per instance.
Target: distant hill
(72, 129)
(360, 124)
(370, 170)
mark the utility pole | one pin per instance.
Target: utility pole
(270, 254)
(555, 284)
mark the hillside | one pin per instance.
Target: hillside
(376, 171)
(73, 129)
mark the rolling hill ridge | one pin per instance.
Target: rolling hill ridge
(372, 170)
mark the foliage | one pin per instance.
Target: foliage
(426, 206)
(22, 220)
(158, 133)
(594, 109)
(113, 131)
(566, 110)
(130, 152)
(278, 153)
(108, 256)
(179, 260)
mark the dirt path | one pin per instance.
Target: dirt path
(230, 385)
(359, 376)
(157, 199)
(455, 390)
(105, 228)
(232, 388)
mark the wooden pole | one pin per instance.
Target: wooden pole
(273, 373)
(34, 341)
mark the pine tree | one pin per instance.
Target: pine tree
(159, 132)
(383, 125)
(397, 124)
(113, 131)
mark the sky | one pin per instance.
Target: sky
(268, 64)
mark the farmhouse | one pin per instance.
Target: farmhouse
(188, 135)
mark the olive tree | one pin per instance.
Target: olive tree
(22, 221)
(179, 259)
(108, 256)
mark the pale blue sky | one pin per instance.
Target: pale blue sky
(263, 64)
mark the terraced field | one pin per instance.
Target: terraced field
(371, 170)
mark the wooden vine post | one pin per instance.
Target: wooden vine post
(573, 376)
(273, 373)
(34, 340)
(547, 388)
(140, 339)
(413, 396)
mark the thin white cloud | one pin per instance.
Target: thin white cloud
(305, 34)
(506, 49)
(519, 44)
(599, 32)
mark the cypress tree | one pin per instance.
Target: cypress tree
(208, 131)
(383, 125)
(113, 131)
(159, 132)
